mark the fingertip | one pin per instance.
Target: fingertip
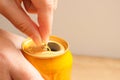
(45, 21)
(36, 38)
(45, 33)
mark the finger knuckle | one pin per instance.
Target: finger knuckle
(23, 27)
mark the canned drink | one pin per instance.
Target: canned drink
(54, 64)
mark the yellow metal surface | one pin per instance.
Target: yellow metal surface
(56, 66)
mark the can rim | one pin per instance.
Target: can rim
(54, 54)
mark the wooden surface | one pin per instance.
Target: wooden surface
(95, 68)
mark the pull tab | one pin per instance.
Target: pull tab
(45, 47)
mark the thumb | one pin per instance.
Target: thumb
(21, 20)
(45, 9)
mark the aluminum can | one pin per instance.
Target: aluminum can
(55, 64)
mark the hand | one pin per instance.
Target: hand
(13, 11)
(13, 65)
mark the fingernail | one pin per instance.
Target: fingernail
(36, 38)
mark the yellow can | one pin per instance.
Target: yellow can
(55, 64)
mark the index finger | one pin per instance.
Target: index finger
(45, 10)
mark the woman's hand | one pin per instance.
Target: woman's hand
(13, 11)
(13, 65)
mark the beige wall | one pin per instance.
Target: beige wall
(92, 27)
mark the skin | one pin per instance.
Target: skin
(13, 11)
(13, 65)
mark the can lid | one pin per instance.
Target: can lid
(57, 47)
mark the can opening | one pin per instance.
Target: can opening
(54, 46)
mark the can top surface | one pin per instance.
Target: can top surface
(57, 45)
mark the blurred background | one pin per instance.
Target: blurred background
(92, 27)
